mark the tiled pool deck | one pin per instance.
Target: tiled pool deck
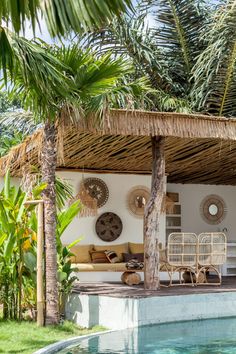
(118, 289)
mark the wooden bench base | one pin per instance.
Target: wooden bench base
(131, 278)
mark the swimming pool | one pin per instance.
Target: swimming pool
(216, 336)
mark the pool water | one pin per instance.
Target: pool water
(215, 336)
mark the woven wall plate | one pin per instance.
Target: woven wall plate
(97, 189)
(213, 209)
(108, 226)
(137, 198)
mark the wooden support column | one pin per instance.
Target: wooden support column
(152, 215)
(40, 272)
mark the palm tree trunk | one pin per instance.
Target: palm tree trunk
(152, 216)
(49, 197)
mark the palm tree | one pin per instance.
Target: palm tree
(166, 54)
(92, 85)
(42, 82)
(61, 17)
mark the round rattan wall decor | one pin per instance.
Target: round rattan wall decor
(97, 189)
(213, 209)
(108, 226)
(137, 198)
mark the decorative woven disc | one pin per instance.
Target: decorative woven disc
(137, 199)
(213, 209)
(97, 189)
(108, 227)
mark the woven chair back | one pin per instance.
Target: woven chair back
(212, 248)
(182, 249)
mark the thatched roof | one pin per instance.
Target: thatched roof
(199, 149)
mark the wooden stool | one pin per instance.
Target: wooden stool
(131, 278)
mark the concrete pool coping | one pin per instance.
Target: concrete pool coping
(66, 343)
(117, 313)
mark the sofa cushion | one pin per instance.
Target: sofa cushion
(99, 257)
(112, 256)
(119, 249)
(128, 256)
(113, 267)
(81, 253)
(101, 267)
(136, 247)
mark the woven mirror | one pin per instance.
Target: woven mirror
(213, 209)
(108, 226)
(137, 199)
(97, 189)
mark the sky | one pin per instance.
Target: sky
(43, 33)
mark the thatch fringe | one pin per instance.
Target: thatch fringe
(26, 153)
(142, 123)
(199, 148)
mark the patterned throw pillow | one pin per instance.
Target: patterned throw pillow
(99, 257)
(112, 257)
(138, 256)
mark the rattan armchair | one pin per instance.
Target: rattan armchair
(196, 255)
(212, 248)
(182, 255)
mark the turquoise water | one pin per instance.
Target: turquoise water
(216, 336)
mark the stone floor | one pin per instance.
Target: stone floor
(115, 289)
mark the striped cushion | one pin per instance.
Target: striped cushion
(112, 257)
(99, 257)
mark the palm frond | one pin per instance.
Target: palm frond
(36, 76)
(179, 27)
(61, 16)
(130, 36)
(166, 53)
(80, 15)
(215, 71)
(102, 81)
(20, 121)
(17, 12)
(14, 127)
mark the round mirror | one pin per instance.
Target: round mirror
(213, 209)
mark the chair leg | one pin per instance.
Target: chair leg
(191, 278)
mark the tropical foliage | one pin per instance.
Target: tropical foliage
(43, 82)
(17, 275)
(63, 15)
(189, 55)
(214, 74)
(18, 241)
(14, 125)
(165, 53)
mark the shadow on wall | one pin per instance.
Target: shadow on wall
(93, 304)
(79, 306)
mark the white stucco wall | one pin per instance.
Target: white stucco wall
(119, 185)
(191, 196)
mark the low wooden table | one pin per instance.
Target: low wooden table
(130, 277)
